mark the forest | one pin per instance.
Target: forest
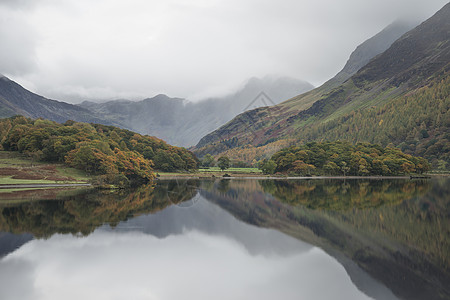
(114, 153)
(416, 123)
(343, 158)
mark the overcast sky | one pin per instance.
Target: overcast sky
(106, 49)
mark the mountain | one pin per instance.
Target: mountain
(153, 116)
(183, 123)
(400, 96)
(16, 100)
(175, 120)
(372, 47)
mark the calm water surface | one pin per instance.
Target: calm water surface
(229, 239)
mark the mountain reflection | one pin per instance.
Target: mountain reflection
(396, 230)
(190, 265)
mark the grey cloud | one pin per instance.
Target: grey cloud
(19, 4)
(18, 45)
(187, 49)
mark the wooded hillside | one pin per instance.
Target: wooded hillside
(95, 148)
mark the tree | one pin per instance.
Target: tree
(300, 167)
(331, 168)
(208, 161)
(268, 166)
(442, 165)
(344, 167)
(223, 162)
(35, 156)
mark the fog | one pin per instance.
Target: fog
(108, 49)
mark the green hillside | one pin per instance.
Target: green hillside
(399, 97)
(118, 154)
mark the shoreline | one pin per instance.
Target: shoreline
(42, 185)
(293, 177)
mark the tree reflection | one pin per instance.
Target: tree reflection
(80, 212)
(396, 230)
(344, 194)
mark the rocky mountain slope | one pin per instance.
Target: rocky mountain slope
(413, 64)
(183, 123)
(16, 100)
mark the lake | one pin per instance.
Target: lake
(229, 239)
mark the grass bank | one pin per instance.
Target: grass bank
(213, 172)
(17, 168)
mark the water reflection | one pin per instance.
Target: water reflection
(396, 230)
(69, 211)
(189, 239)
(341, 194)
(198, 253)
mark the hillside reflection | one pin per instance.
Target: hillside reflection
(81, 211)
(396, 230)
(335, 194)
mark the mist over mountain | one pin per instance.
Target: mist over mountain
(175, 120)
(358, 59)
(183, 123)
(400, 97)
(372, 47)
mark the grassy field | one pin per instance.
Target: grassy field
(78, 175)
(11, 180)
(16, 168)
(232, 170)
(214, 171)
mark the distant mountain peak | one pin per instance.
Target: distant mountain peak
(372, 79)
(16, 100)
(374, 46)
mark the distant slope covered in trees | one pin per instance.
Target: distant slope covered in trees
(399, 98)
(417, 123)
(95, 148)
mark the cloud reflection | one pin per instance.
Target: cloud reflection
(193, 265)
(209, 218)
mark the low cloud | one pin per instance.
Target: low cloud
(18, 46)
(77, 49)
